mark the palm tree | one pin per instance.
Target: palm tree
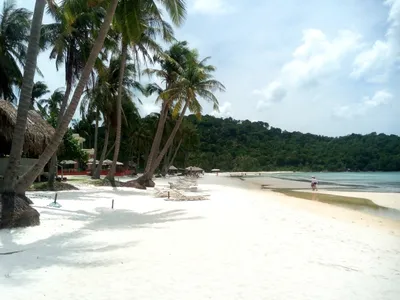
(104, 94)
(8, 196)
(70, 38)
(14, 35)
(139, 23)
(49, 108)
(194, 81)
(30, 176)
(38, 91)
(171, 65)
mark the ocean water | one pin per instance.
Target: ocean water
(360, 181)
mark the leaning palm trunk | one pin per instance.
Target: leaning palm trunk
(113, 168)
(96, 136)
(15, 210)
(155, 147)
(171, 161)
(145, 179)
(25, 100)
(97, 173)
(52, 172)
(166, 161)
(30, 176)
(53, 168)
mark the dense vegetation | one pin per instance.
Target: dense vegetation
(232, 145)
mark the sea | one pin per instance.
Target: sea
(387, 182)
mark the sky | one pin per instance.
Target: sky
(326, 67)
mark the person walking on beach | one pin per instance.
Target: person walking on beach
(314, 183)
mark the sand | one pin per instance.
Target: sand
(241, 244)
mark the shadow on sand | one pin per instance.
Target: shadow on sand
(62, 249)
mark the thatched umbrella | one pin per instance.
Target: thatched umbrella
(173, 168)
(67, 162)
(107, 162)
(90, 161)
(194, 169)
(38, 132)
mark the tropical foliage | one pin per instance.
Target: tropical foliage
(14, 32)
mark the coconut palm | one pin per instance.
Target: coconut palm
(50, 108)
(139, 23)
(30, 176)
(38, 91)
(194, 81)
(8, 197)
(104, 94)
(15, 24)
(70, 38)
(171, 62)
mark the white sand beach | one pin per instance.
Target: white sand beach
(242, 243)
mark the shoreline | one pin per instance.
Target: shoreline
(361, 217)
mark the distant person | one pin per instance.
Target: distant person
(314, 183)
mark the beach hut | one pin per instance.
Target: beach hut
(37, 136)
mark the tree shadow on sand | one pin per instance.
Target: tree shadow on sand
(73, 248)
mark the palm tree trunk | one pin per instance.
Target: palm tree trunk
(53, 168)
(166, 162)
(52, 172)
(16, 211)
(155, 147)
(170, 140)
(145, 179)
(30, 176)
(171, 162)
(111, 173)
(11, 173)
(103, 154)
(96, 136)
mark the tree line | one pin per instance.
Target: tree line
(233, 145)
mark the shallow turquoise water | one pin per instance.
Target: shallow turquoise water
(370, 181)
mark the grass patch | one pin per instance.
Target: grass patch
(328, 198)
(58, 186)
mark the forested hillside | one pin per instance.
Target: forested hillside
(232, 145)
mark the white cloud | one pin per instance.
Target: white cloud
(318, 56)
(212, 7)
(374, 63)
(148, 108)
(315, 58)
(380, 98)
(273, 93)
(225, 111)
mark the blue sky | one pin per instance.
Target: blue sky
(326, 67)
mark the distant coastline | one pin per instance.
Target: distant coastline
(335, 181)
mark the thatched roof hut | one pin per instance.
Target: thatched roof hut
(38, 131)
